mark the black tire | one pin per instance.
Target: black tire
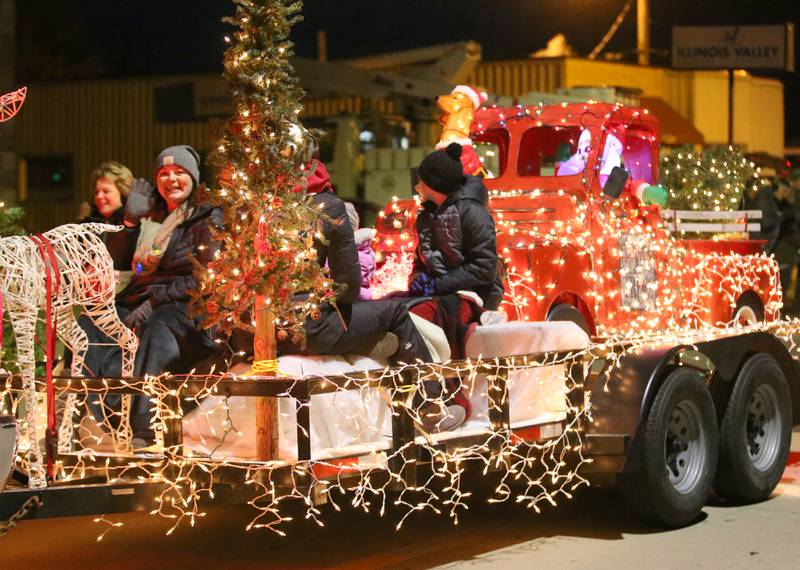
(749, 303)
(755, 433)
(676, 453)
(566, 312)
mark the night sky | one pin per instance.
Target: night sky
(79, 39)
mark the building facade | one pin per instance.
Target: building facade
(66, 129)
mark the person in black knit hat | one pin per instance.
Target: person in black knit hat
(456, 269)
(457, 248)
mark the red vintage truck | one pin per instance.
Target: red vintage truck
(572, 252)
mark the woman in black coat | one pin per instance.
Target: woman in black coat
(111, 184)
(165, 231)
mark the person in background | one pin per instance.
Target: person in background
(366, 255)
(111, 183)
(788, 239)
(759, 195)
(794, 183)
(166, 232)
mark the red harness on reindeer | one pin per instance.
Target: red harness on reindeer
(53, 283)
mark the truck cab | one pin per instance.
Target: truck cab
(572, 252)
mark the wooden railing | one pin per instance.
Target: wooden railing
(737, 221)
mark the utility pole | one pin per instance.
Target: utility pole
(643, 32)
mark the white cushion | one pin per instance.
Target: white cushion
(517, 337)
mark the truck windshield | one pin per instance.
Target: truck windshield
(552, 151)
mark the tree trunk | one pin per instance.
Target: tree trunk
(266, 408)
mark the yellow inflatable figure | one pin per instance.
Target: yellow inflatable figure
(458, 109)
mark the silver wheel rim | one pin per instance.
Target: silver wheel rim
(763, 427)
(745, 315)
(685, 447)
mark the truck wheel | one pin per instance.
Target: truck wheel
(677, 453)
(755, 434)
(566, 312)
(748, 310)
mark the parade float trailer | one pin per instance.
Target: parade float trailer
(609, 263)
(676, 406)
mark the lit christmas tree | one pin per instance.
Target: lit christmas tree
(713, 180)
(268, 229)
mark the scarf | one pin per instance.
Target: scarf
(153, 244)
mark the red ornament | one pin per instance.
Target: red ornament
(261, 243)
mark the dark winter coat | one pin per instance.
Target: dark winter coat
(174, 279)
(95, 217)
(170, 340)
(765, 201)
(457, 245)
(116, 219)
(339, 248)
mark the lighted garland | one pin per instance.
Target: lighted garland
(530, 472)
(268, 229)
(711, 180)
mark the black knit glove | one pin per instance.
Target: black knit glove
(138, 316)
(139, 203)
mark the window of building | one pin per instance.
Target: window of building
(48, 177)
(174, 103)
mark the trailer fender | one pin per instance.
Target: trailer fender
(729, 354)
(620, 396)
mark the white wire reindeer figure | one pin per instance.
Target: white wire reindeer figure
(86, 279)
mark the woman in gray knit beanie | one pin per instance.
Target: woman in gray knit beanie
(165, 233)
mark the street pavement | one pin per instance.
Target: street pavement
(591, 531)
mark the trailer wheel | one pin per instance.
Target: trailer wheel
(677, 453)
(755, 434)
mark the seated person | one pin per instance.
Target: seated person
(366, 255)
(456, 264)
(111, 183)
(165, 231)
(344, 328)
